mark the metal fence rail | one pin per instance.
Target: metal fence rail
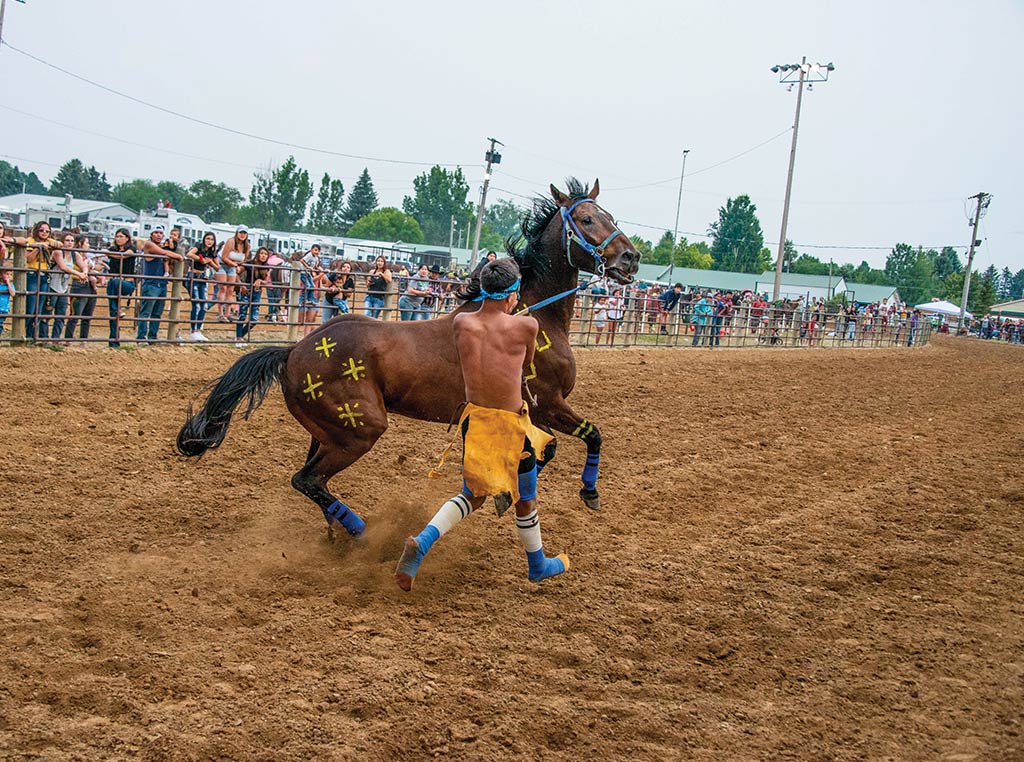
(140, 309)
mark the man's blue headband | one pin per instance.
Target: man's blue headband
(485, 294)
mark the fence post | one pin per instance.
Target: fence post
(294, 284)
(20, 297)
(177, 272)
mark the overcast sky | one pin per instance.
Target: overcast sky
(923, 110)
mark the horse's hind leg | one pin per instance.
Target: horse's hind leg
(330, 456)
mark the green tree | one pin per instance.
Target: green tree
(695, 255)
(279, 197)
(387, 224)
(362, 199)
(80, 181)
(1017, 287)
(327, 215)
(214, 202)
(490, 239)
(171, 193)
(439, 195)
(808, 264)
(984, 291)
(504, 217)
(910, 270)
(13, 180)
(945, 262)
(1006, 284)
(737, 238)
(662, 253)
(136, 194)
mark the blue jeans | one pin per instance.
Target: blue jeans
(330, 309)
(409, 309)
(373, 305)
(116, 288)
(151, 309)
(248, 313)
(197, 293)
(60, 302)
(38, 303)
(716, 331)
(699, 330)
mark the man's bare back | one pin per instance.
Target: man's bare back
(493, 347)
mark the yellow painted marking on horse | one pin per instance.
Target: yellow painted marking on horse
(522, 310)
(547, 342)
(313, 388)
(325, 346)
(584, 429)
(348, 415)
(355, 367)
(533, 373)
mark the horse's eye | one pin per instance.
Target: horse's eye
(587, 221)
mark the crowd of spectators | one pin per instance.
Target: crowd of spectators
(999, 328)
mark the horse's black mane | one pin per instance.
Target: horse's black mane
(526, 247)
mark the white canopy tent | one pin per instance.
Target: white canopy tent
(942, 308)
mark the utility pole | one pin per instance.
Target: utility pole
(492, 157)
(679, 204)
(983, 201)
(818, 73)
(451, 237)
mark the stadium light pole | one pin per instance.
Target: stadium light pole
(794, 74)
(679, 205)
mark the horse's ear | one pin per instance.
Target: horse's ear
(560, 198)
(595, 190)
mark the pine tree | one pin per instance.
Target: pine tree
(327, 214)
(738, 241)
(362, 200)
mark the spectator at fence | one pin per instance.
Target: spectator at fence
(702, 310)
(121, 268)
(83, 289)
(62, 272)
(276, 289)
(253, 278)
(7, 293)
(616, 312)
(410, 304)
(915, 318)
(155, 270)
(433, 302)
(199, 258)
(173, 239)
(851, 321)
(234, 252)
(668, 301)
(600, 317)
(376, 287)
(38, 299)
(333, 284)
(720, 313)
(491, 256)
(4, 240)
(308, 264)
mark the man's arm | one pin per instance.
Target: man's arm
(530, 329)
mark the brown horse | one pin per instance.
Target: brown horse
(341, 381)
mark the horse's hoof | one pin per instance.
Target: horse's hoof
(591, 499)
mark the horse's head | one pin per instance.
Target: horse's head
(592, 240)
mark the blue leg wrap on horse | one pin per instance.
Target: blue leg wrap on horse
(590, 471)
(345, 516)
(541, 567)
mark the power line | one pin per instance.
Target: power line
(222, 128)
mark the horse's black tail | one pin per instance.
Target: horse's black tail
(252, 376)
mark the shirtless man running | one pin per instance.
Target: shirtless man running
(500, 444)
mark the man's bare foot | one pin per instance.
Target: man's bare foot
(408, 564)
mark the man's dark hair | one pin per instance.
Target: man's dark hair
(678, 285)
(499, 274)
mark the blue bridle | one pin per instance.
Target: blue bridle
(572, 233)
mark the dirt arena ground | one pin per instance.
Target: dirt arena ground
(801, 554)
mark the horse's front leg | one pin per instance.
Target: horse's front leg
(563, 418)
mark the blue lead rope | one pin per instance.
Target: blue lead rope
(553, 299)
